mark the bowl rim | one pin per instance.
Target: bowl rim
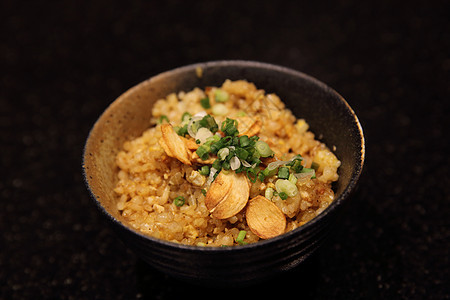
(262, 243)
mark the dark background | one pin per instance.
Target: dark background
(62, 63)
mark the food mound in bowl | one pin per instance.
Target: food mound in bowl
(223, 166)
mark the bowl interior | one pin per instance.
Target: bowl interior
(328, 114)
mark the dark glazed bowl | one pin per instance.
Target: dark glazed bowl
(329, 117)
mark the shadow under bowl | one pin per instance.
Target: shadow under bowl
(329, 117)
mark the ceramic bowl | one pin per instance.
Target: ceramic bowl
(330, 118)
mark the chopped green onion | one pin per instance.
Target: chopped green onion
(205, 103)
(221, 95)
(251, 175)
(162, 118)
(263, 149)
(219, 109)
(268, 173)
(185, 117)
(261, 176)
(217, 165)
(203, 151)
(297, 166)
(241, 153)
(229, 127)
(226, 165)
(269, 193)
(291, 162)
(241, 236)
(203, 192)
(181, 131)
(203, 134)
(283, 173)
(204, 170)
(284, 185)
(283, 195)
(235, 164)
(209, 123)
(292, 178)
(179, 201)
(223, 153)
(309, 170)
(244, 141)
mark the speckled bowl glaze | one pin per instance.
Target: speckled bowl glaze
(329, 117)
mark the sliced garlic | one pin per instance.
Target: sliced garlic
(174, 145)
(227, 195)
(264, 218)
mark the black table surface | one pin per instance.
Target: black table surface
(62, 63)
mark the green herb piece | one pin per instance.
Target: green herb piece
(181, 131)
(261, 176)
(221, 95)
(263, 149)
(269, 193)
(219, 109)
(185, 117)
(294, 159)
(217, 165)
(203, 192)
(244, 141)
(162, 118)
(251, 174)
(297, 166)
(229, 127)
(269, 173)
(241, 236)
(283, 173)
(205, 103)
(241, 153)
(226, 165)
(203, 151)
(223, 153)
(284, 185)
(292, 178)
(179, 201)
(309, 170)
(204, 170)
(283, 195)
(209, 122)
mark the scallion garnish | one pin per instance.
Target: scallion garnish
(285, 186)
(162, 118)
(241, 236)
(209, 123)
(263, 149)
(205, 103)
(241, 153)
(238, 153)
(244, 141)
(221, 95)
(283, 195)
(204, 170)
(185, 117)
(283, 173)
(203, 151)
(269, 193)
(229, 127)
(219, 109)
(179, 201)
